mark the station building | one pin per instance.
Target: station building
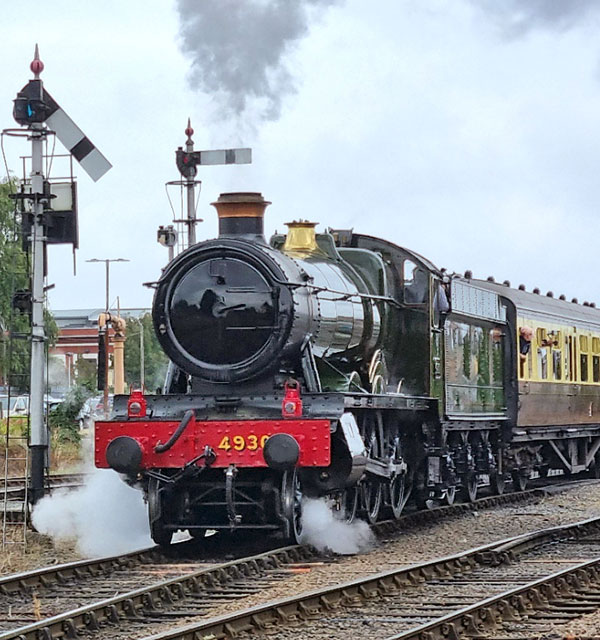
(78, 338)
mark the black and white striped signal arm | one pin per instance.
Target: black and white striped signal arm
(35, 105)
(73, 138)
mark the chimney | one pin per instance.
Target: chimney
(241, 215)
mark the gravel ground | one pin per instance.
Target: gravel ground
(421, 544)
(586, 627)
(40, 551)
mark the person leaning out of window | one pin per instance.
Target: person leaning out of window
(525, 337)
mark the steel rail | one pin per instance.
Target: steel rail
(486, 615)
(18, 493)
(14, 490)
(487, 502)
(266, 618)
(46, 576)
(129, 605)
(55, 479)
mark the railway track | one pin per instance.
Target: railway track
(15, 487)
(518, 588)
(105, 598)
(108, 612)
(12, 494)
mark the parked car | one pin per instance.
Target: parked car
(92, 409)
(13, 406)
(18, 405)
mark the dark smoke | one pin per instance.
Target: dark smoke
(517, 17)
(238, 48)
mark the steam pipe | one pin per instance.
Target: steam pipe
(187, 416)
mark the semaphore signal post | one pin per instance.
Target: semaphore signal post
(35, 109)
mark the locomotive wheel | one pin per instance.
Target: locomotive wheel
(349, 505)
(291, 503)
(401, 485)
(520, 480)
(354, 382)
(378, 385)
(372, 489)
(372, 495)
(400, 490)
(470, 487)
(158, 532)
(450, 496)
(497, 483)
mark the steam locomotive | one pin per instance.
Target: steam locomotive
(339, 364)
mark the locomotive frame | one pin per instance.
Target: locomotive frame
(342, 365)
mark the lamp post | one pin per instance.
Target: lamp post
(142, 358)
(107, 262)
(69, 363)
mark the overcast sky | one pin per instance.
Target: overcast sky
(468, 131)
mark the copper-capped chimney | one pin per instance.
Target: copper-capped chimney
(241, 214)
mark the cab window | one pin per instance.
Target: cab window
(416, 283)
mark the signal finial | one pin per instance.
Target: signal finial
(189, 132)
(37, 66)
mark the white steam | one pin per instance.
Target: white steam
(516, 18)
(105, 516)
(238, 48)
(325, 531)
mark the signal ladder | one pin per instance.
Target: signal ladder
(16, 347)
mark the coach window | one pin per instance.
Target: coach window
(596, 359)
(525, 348)
(542, 353)
(557, 364)
(568, 358)
(583, 359)
(555, 342)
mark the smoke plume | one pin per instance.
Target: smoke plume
(324, 531)
(238, 49)
(105, 516)
(517, 17)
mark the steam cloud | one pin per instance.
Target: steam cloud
(105, 516)
(517, 17)
(238, 48)
(325, 532)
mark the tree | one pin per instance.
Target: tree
(86, 373)
(14, 276)
(155, 361)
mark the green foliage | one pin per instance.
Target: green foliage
(85, 373)
(62, 420)
(13, 276)
(155, 361)
(51, 329)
